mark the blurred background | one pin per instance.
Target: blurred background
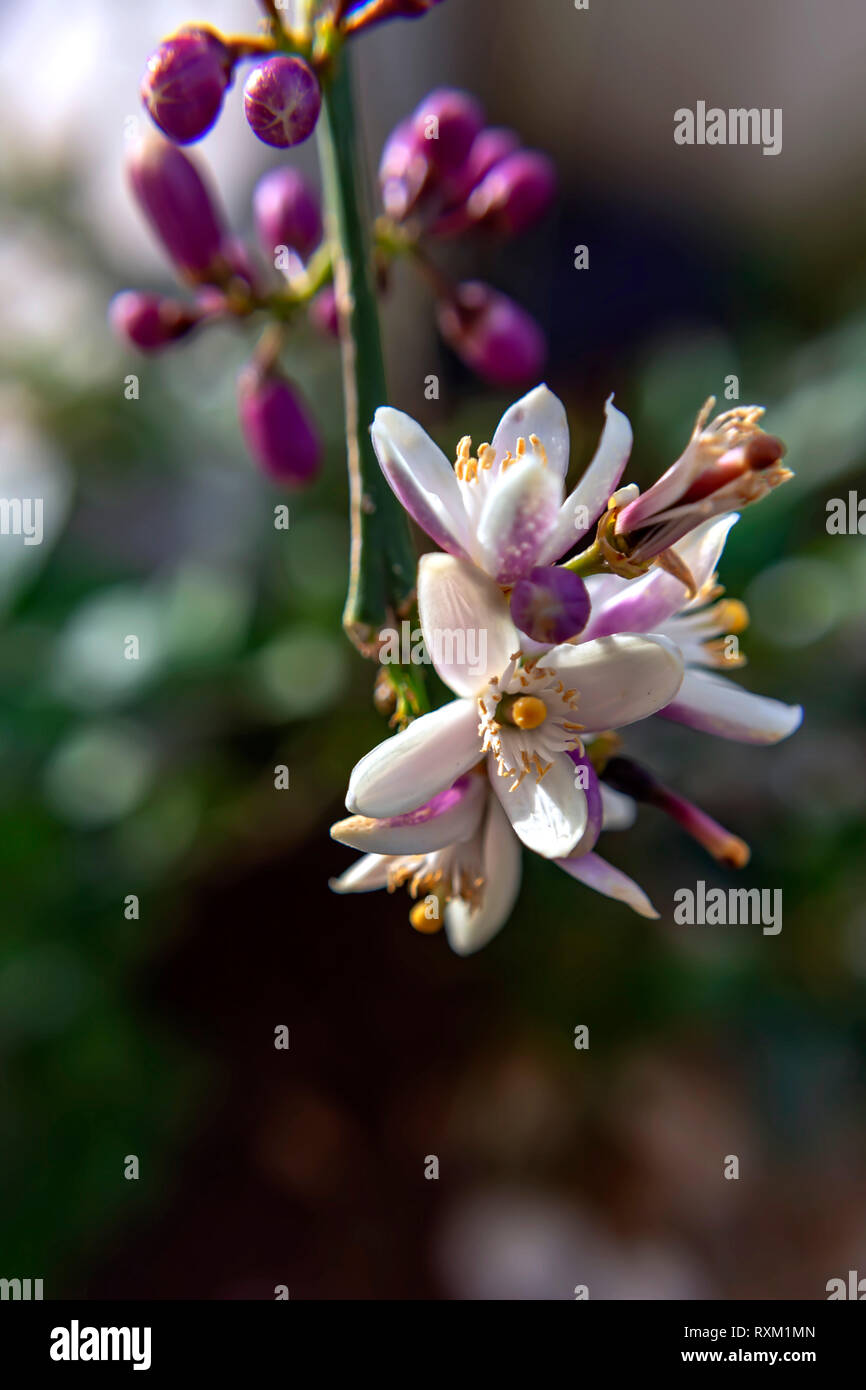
(154, 1036)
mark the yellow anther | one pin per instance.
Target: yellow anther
(732, 615)
(528, 712)
(521, 447)
(538, 448)
(424, 919)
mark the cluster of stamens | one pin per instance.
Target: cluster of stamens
(468, 465)
(524, 720)
(443, 875)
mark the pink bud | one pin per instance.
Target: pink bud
(278, 431)
(185, 81)
(323, 312)
(491, 145)
(551, 604)
(497, 339)
(287, 213)
(403, 170)
(150, 321)
(282, 101)
(447, 121)
(175, 200)
(515, 192)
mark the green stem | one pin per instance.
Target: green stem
(589, 561)
(382, 576)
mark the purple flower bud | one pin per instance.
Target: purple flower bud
(497, 339)
(175, 200)
(403, 170)
(490, 146)
(185, 81)
(323, 312)
(287, 213)
(515, 192)
(282, 101)
(550, 605)
(447, 121)
(150, 321)
(278, 431)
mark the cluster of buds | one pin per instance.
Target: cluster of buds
(227, 281)
(187, 76)
(444, 173)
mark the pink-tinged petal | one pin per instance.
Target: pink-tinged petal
(620, 811)
(541, 413)
(642, 605)
(586, 777)
(619, 679)
(469, 929)
(446, 819)
(589, 499)
(465, 620)
(517, 517)
(364, 875)
(421, 477)
(714, 705)
(549, 815)
(596, 873)
(426, 757)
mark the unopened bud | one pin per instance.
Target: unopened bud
(282, 101)
(178, 205)
(287, 213)
(448, 121)
(151, 321)
(185, 81)
(278, 431)
(550, 605)
(514, 194)
(497, 339)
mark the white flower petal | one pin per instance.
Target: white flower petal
(466, 622)
(715, 705)
(539, 412)
(517, 517)
(619, 810)
(426, 757)
(447, 819)
(364, 875)
(596, 873)
(549, 815)
(421, 478)
(619, 679)
(467, 929)
(589, 499)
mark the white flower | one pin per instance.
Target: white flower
(525, 718)
(460, 860)
(660, 603)
(504, 508)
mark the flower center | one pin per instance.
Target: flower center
(526, 719)
(523, 711)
